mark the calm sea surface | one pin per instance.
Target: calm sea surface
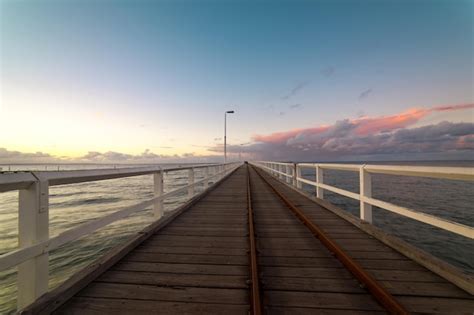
(80, 203)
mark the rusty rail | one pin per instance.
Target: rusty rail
(373, 286)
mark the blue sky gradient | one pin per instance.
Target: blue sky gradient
(126, 76)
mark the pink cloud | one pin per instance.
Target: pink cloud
(281, 137)
(394, 135)
(367, 126)
(361, 126)
(452, 107)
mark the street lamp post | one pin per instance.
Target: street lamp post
(225, 133)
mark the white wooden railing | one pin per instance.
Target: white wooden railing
(34, 242)
(291, 174)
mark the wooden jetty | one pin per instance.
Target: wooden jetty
(199, 261)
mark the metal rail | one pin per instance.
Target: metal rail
(255, 289)
(372, 285)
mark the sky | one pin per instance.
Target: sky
(149, 81)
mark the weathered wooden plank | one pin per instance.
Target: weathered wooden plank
(305, 233)
(312, 284)
(99, 306)
(192, 250)
(294, 253)
(193, 228)
(232, 270)
(158, 293)
(217, 213)
(324, 284)
(215, 220)
(217, 234)
(321, 253)
(187, 259)
(334, 272)
(314, 272)
(322, 300)
(207, 225)
(307, 243)
(406, 275)
(298, 262)
(204, 239)
(428, 289)
(311, 311)
(368, 264)
(170, 280)
(288, 243)
(437, 305)
(394, 264)
(368, 242)
(217, 243)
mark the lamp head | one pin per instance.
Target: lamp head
(229, 112)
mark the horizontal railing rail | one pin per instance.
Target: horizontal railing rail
(291, 173)
(31, 256)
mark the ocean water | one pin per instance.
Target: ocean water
(448, 199)
(79, 203)
(74, 204)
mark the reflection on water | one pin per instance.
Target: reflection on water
(80, 203)
(74, 204)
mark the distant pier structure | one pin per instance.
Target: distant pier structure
(251, 241)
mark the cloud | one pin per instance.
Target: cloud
(281, 137)
(365, 94)
(108, 157)
(392, 134)
(21, 156)
(295, 90)
(296, 106)
(328, 71)
(452, 107)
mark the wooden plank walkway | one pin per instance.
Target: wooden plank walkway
(199, 264)
(301, 276)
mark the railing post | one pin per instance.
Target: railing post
(365, 191)
(158, 191)
(190, 181)
(287, 172)
(206, 176)
(293, 172)
(33, 227)
(319, 180)
(299, 184)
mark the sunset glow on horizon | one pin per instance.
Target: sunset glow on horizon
(141, 81)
